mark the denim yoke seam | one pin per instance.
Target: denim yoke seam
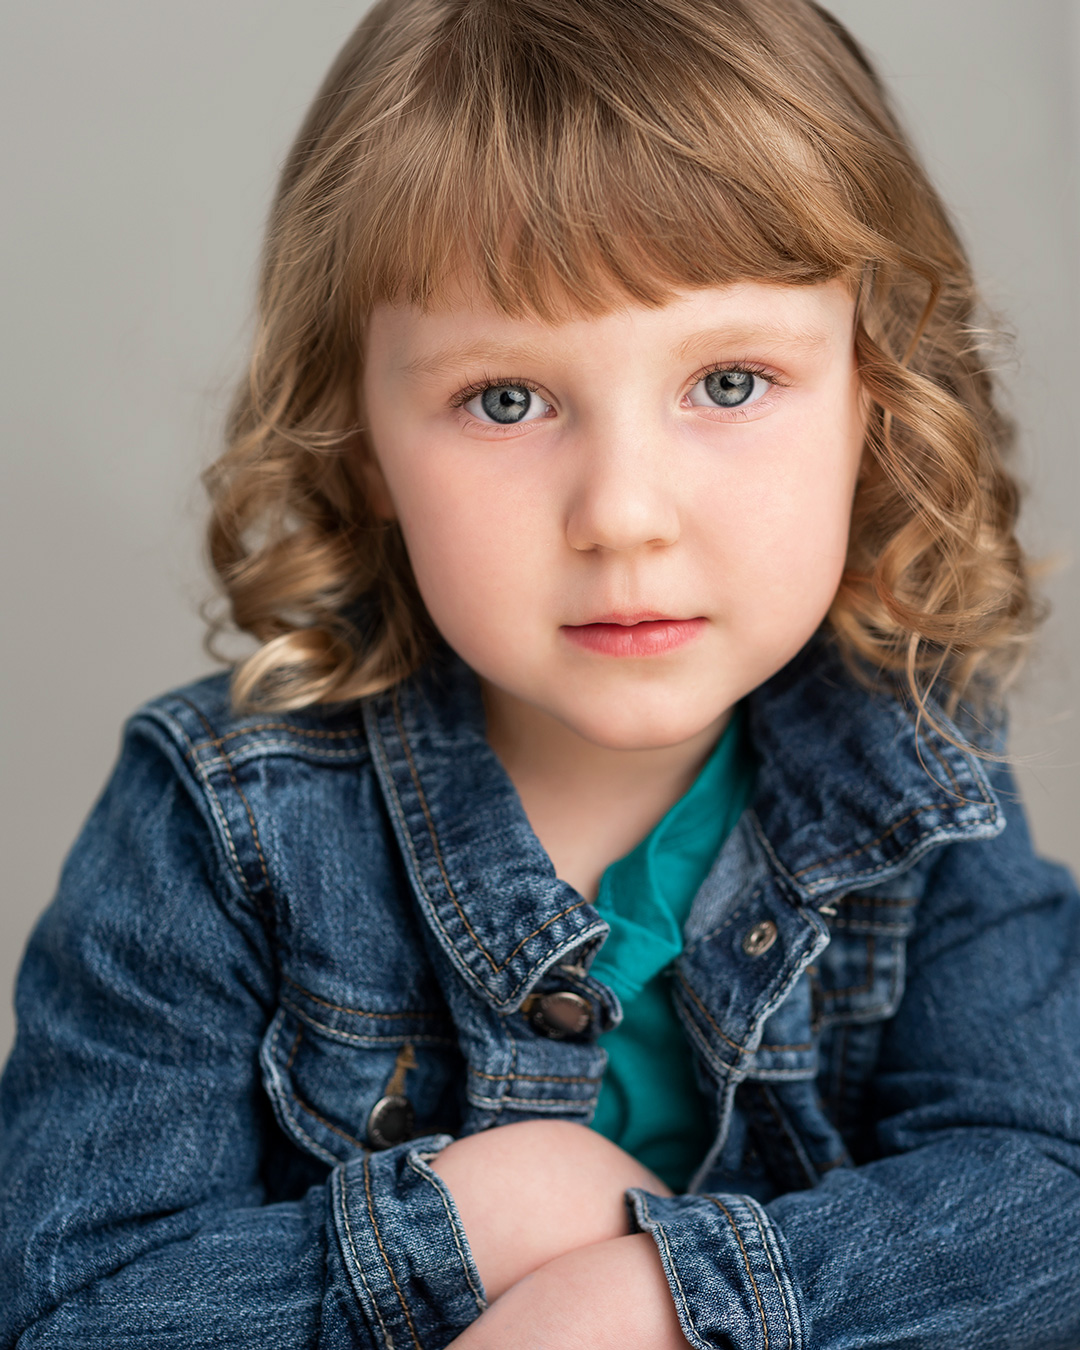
(325, 1154)
(746, 1262)
(343, 1206)
(243, 798)
(418, 1038)
(217, 809)
(281, 726)
(355, 1012)
(540, 1077)
(308, 751)
(499, 1102)
(247, 807)
(407, 834)
(386, 1259)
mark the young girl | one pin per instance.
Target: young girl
(617, 499)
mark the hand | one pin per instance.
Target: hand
(612, 1295)
(534, 1190)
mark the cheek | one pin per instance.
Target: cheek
(470, 541)
(788, 519)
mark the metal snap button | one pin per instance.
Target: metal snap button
(760, 938)
(392, 1118)
(391, 1121)
(562, 1013)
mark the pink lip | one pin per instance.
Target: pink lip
(633, 635)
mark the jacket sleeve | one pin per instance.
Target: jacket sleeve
(964, 1230)
(134, 1130)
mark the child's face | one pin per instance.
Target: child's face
(556, 483)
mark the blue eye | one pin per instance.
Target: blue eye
(728, 389)
(507, 403)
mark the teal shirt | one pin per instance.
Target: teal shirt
(649, 1102)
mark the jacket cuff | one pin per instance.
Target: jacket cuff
(404, 1246)
(728, 1270)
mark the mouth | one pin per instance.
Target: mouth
(641, 633)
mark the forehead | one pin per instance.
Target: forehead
(464, 326)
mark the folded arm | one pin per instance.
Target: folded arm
(140, 1199)
(961, 1232)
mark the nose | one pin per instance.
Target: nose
(623, 494)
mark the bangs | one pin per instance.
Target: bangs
(572, 158)
(566, 158)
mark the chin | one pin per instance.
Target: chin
(631, 726)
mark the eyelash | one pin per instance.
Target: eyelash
(745, 367)
(464, 395)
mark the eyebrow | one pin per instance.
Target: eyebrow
(809, 340)
(451, 356)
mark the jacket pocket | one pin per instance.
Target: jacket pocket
(344, 1079)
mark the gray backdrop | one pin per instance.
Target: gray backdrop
(140, 144)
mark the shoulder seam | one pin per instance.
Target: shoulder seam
(166, 723)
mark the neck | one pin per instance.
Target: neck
(588, 804)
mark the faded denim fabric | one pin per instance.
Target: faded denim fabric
(269, 924)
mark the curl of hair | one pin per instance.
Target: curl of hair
(569, 155)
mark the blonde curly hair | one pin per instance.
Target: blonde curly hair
(574, 154)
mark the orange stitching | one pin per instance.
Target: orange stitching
(779, 1289)
(481, 1302)
(948, 770)
(831, 862)
(809, 1045)
(746, 1262)
(734, 1044)
(356, 1012)
(248, 751)
(428, 1039)
(356, 1259)
(220, 815)
(508, 1101)
(420, 792)
(240, 794)
(536, 1077)
(547, 923)
(939, 756)
(438, 858)
(386, 1259)
(868, 979)
(279, 726)
(295, 1047)
(431, 829)
(323, 1121)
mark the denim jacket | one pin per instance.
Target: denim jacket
(292, 957)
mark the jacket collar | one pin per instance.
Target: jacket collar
(849, 790)
(842, 799)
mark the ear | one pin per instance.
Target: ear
(369, 478)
